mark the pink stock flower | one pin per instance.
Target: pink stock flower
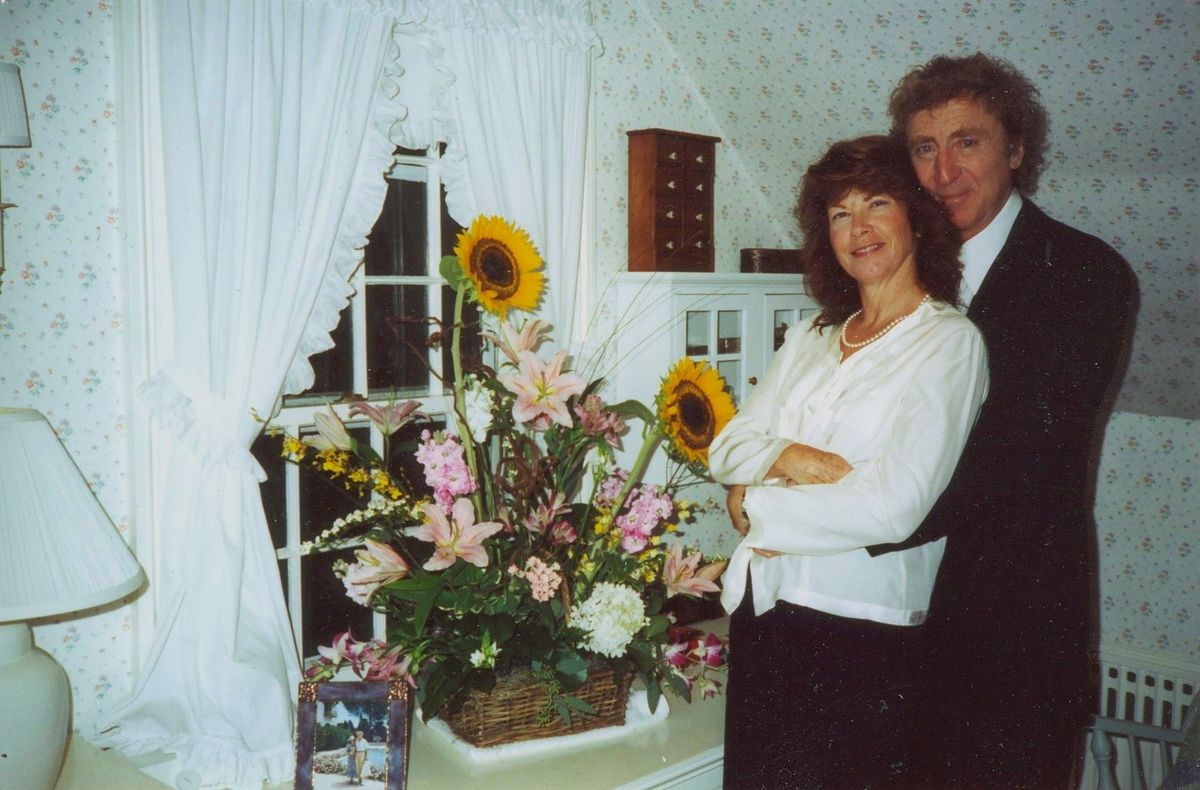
(686, 577)
(446, 470)
(331, 432)
(598, 421)
(543, 579)
(390, 418)
(647, 509)
(512, 343)
(462, 538)
(542, 390)
(377, 565)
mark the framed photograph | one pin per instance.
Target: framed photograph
(352, 733)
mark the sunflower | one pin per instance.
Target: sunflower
(693, 406)
(501, 262)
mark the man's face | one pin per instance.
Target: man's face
(960, 155)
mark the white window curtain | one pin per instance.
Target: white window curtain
(271, 117)
(506, 85)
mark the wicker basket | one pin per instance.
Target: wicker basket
(509, 712)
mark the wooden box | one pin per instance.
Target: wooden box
(671, 177)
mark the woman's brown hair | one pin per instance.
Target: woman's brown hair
(874, 165)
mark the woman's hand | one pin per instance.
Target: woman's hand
(803, 464)
(734, 502)
(737, 513)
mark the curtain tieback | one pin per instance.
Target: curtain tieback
(205, 422)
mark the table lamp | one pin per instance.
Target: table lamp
(59, 553)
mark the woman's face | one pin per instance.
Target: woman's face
(871, 238)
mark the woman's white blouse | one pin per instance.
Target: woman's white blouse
(899, 411)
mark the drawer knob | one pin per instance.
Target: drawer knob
(700, 245)
(700, 159)
(673, 156)
(670, 185)
(671, 214)
(670, 245)
(699, 187)
(752, 381)
(700, 217)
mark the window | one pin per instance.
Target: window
(382, 351)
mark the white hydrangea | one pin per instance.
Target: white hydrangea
(479, 401)
(611, 616)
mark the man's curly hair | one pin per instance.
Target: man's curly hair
(1004, 91)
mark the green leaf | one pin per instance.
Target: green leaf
(653, 693)
(425, 604)
(573, 666)
(564, 710)
(633, 408)
(582, 706)
(658, 625)
(452, 272)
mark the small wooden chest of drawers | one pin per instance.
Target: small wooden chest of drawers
(671, 178)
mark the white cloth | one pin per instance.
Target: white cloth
(506, 86)
(899, 412)
(979, 252)
(267, 127)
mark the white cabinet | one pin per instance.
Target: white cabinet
(735, 322)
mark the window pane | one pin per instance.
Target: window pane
(397, 332)
(327, 610)
(729, 331)
(266, 451)
(323, 501)
(398, 245)
(470, 344)
(333, 369)
(697, 333)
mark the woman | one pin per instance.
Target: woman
(845, 444)
(351, 767)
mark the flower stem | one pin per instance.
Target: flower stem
(460, 406)
(639, 467)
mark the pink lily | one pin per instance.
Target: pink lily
(390, 418)
(377, 565)
(342, 648)
(512, 343)
(462, 538)
(385, 664)
(684, 576)
(542, 515)
(331, 432)
(542, 390)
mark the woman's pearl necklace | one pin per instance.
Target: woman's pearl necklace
(881, 332)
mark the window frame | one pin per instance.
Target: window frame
(296, 415)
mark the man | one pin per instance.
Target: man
(1011, 616)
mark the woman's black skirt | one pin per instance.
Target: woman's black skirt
(818, 701)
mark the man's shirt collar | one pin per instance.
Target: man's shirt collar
(980, 251)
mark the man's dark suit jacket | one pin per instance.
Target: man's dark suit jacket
(1012, 612)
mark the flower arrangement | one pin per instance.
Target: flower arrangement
(526, 545)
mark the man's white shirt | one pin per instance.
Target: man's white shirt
(980, 251)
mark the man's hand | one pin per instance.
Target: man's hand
(802, 464)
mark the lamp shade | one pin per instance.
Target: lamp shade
(59, 552)
(14, 123)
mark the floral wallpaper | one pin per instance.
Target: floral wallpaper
(62, 321)
(1149, 534)
(777, 80)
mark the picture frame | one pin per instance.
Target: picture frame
(333, 715)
